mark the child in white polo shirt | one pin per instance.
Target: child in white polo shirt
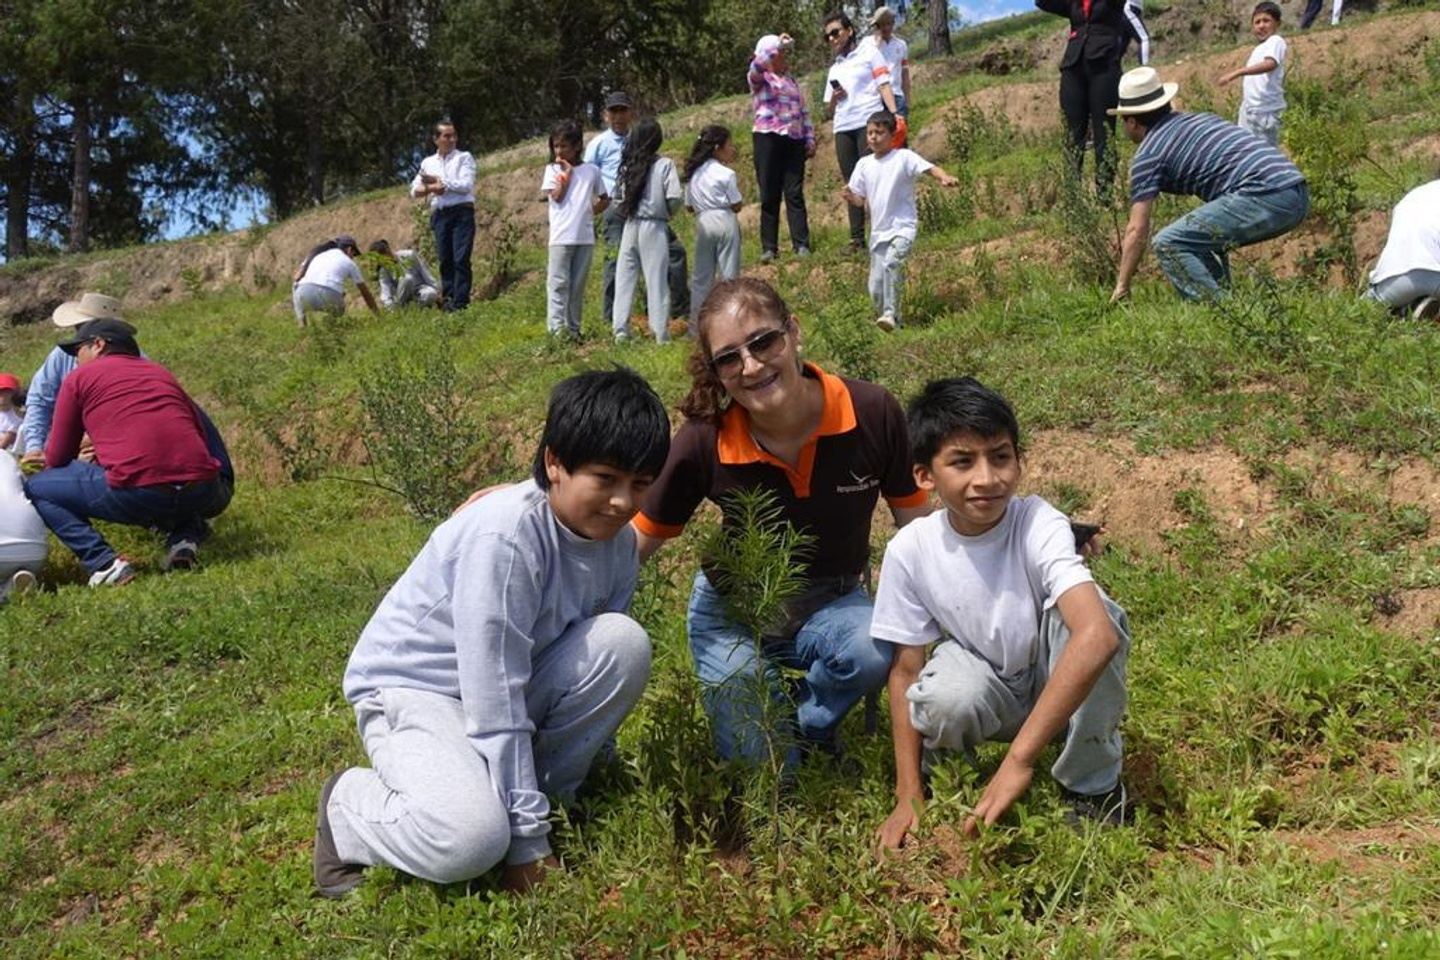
(575, 195)
(1027, 648)
(885, 179)
(712, 193)
(1263, 99)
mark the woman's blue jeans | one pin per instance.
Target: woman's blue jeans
(840, 661)
(1193, 251)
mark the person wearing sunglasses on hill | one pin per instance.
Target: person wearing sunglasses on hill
(827, 448)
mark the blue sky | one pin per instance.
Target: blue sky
(978, 11)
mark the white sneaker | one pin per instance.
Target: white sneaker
(118, 573)
(886, 321)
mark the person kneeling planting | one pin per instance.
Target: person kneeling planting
(502, 660)
(1027, 648)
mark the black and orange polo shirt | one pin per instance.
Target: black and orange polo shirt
(859, 451)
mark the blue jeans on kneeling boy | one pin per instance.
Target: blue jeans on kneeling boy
(840, 660)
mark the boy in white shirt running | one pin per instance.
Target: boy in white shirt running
(1263, 99)
(885, 179)
(1027, 648)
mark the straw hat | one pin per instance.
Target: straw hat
(1141, 91)
(90, 306)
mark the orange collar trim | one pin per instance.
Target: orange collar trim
(736, 445)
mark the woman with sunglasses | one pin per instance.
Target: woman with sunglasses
(858, 85)
(826, 448)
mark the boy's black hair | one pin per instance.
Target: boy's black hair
(604, 416)
(882, 118)
(957, 405)
(1267, 7)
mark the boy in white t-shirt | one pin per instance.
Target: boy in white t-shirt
(885, 179)
(1263, 99)
(1027, 648)
(575, 193)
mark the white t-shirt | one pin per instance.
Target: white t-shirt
(1265, 92)
(10, 420)
(888, 185)
(572, 221)
(861, 73)
(1414, 239)
(331, 269)
(986, 592)
(896, 53)
(22, 532)
(713, 187)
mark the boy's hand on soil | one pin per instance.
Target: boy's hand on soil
(946, 180)
(522, 877)
(1120, 293)
(902, 822)
(1008, 785)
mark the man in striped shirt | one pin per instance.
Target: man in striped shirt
(1252, 191)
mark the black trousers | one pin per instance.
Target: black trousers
(850, 146)
(1087, 90)
(780, 172)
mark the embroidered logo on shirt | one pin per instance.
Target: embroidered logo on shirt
(860, 485)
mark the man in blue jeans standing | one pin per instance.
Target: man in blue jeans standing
(447, 177)
(154, 465)
(1252, 191)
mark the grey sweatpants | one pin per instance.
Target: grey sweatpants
(1265, 125)
(644, 249)
(959, 702)
(430, 807)
(565, 276)
(312, 296)
(1406, 289)
(717, 253)
(887, 274)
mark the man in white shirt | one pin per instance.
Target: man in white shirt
(896, 53)
(1408, 271)
(447, 177)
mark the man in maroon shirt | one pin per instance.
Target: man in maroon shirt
(153, 467)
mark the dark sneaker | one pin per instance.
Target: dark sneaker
(1108, 809)
(183, 555)
(334, 878)
(802, 251)
(1427, 309)
(119, 572)
(766, 256)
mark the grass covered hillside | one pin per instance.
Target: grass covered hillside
(1266, 469)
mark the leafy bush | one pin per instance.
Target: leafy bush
(1325, 131)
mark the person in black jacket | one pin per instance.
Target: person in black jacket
(1090, 77)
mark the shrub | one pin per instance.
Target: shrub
(1325, 132)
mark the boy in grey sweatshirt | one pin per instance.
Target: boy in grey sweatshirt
(502, 660)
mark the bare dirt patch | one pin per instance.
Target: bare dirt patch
(1418, 616)
(1367, 850)
(1134, 493)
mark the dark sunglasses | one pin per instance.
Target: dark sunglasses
(832, 34)
(763, 346)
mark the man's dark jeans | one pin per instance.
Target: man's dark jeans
(454, 229)
(69, 497)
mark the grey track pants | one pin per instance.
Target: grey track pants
(312, 296)
(429, 806)
(717, 254)
(959, 702)
(887, 274)
(644, 250)
(565, 277)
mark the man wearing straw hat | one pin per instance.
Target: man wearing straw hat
(1252, 191)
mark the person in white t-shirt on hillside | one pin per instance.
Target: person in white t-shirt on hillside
(320, 280)
(885, 179)
(404, 277)
(23, 540)
(712, 193)
(857, 85)
(1027, 649)
(575, 195)
(896, 53)
(1408, 272)
(1263, 100)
